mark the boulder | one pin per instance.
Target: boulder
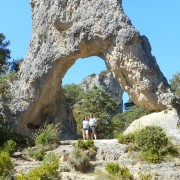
(168, 120)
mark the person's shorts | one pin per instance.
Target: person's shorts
(92, 129)
(85, 130)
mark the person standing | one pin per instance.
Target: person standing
(92, 127)
(85, 128)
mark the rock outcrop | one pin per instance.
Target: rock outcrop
(65, 30)
(106, 81)
(107, 151)
(168, 120)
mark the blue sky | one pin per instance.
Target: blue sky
(159, 20)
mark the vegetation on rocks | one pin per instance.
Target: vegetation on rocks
(153, 143)
(79, 160)
(45, 139)
(48, 170)
(86, 145)
(175, 84)
(6, 165)
(82, 153)
(114, 172)
(48, 136)
(10, 135)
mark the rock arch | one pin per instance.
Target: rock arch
(65, 30)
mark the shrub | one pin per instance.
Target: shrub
(171, 150)
(85, 145)
(9, 134)
(152, 156)
(5, 163)
(37, 153)
(115, 170)
(50, 158)
(48, 137)
(44, 172)
(10, 147)
(151, 137)
(79, 160)
(144, 176)
(47, 171)
(100, 175)
(125, 139)
(132, 147)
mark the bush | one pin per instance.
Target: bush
(171, 150)
(85, 145)
(50, 158)
(79, 160)
(144, 176)
(132, 147)
(115, 170)
(37, 153)
(44, 172)
(125, 139)
(47, 171)
(48, 137)
(6, 164)
(9, 134)
(151, 137)
(152, 156)
(10, 147)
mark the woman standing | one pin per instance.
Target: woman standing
(85, 128)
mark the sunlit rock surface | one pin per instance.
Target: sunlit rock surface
(65, 30)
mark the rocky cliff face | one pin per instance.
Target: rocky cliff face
(106, 81)
(65, 30)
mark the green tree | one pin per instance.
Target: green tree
(98, 102)
(122, 120)
(175, 84)
(15, 64)
(4, 54)
(72, 93)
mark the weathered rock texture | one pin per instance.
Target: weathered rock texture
(168, 120)
(65, 30)
(106, 81)
(107, 151)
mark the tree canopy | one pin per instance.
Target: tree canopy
(175, 84)
(4, 53)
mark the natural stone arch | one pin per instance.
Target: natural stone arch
(65, 30)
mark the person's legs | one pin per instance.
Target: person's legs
(90, 133)
(95, 136)
(87, 134)
(84, 134)
(94, 133)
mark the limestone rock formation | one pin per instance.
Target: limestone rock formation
(168, 120)
(65, 30)
(106, 81)
(107, 151)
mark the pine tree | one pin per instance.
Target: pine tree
(4, 54)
